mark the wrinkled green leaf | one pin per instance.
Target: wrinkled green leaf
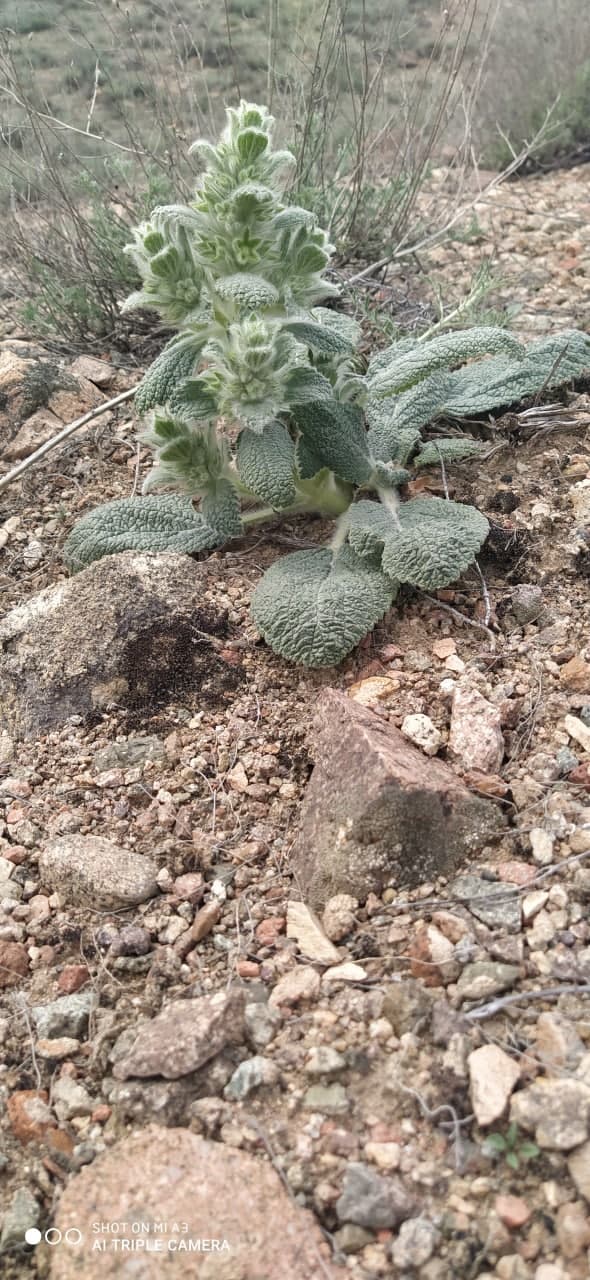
(442, 352)
(248, 290)
(370, 524)
(162, 523)
(549, 362)
(221, 510)
(396, 421)
(336, 433)
(450, 450)
(426, 541)
(307, 460)
(174, 363)
(344, 326)
(318, 337)
(388, 476)
(313, 607)
(437, 541)
(193, 399)
(266, 463)
(305, 384)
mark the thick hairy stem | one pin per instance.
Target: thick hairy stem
(328, 496)
(259, 516)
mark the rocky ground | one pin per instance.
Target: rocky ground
(388, 1058)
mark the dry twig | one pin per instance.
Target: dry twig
(63, 435)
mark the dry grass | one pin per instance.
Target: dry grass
(539, 56)
(101, 105)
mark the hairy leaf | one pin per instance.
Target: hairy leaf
(394, 417)
(313, 607)
(338, 322)
(305, 384)
(453, 449)
(266, 464)
(308, 461)
(318, 337)
(163, 523)
(436, 542)
(442, 352)
(386, 475)
(370, 524)
(336, 433)
(248, 290)
(391, 442)
(382, 359)
(426, 541)
(194, 399)
(175, 362)
(221, 510)
(549, 362)
(251, 143)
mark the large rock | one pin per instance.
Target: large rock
(216, 1213)
(376, 813)
(128, 630)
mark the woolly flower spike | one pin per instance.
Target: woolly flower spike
(172, 279)
(249, 370)
(245, 147)
(190, 460)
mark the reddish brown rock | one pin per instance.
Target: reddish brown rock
(71, 978)
(222, 1194)
(581, 776)
(41, 426)
(376, 812)
(512, 1210)
(204, 921)
(93, 370)
(36, 390)
(247, 969)
(432, 957)
(29, 1114)
(520, 873)
(576, 675)
(14, 963)
(486, 784)
(268, 930)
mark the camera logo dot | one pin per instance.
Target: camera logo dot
(53, 1236)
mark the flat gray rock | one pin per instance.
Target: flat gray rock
(372, 1201)
(66, 1016)
(90, 869)
(182, 1037)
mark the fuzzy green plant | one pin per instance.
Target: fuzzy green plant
(260, 406)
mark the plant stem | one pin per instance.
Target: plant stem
(258, 516)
